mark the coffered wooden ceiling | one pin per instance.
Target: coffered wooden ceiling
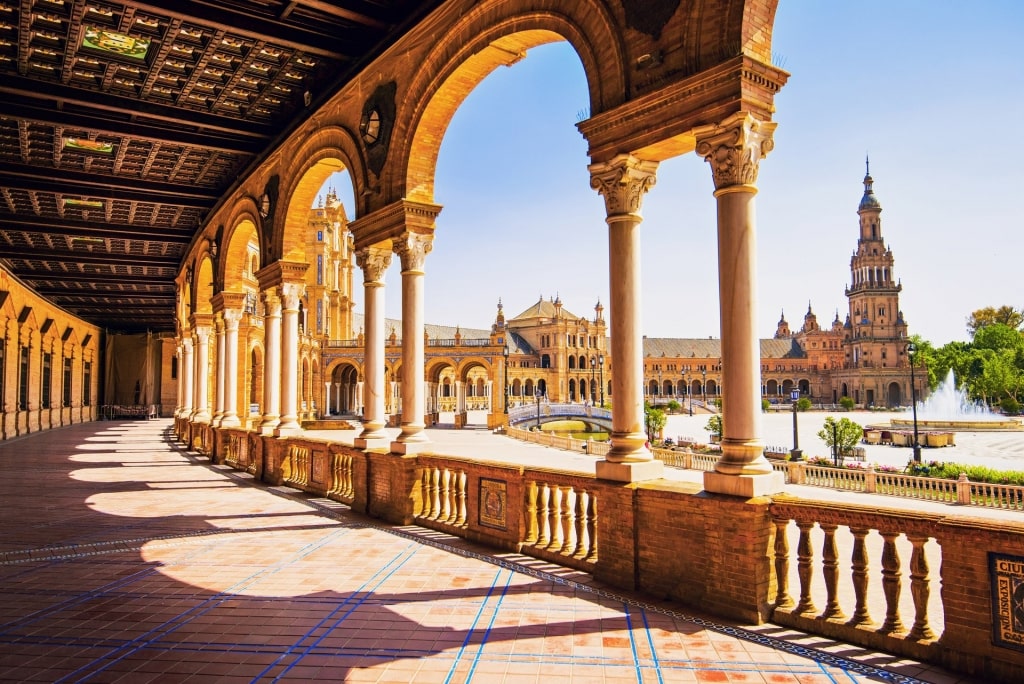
(122, 124)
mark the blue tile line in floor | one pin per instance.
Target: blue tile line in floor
(820, 657)
(194, 612)
(650, 645)
(490, 625)
(472, 627)
(746, 635)
(409, 552)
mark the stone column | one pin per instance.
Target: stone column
(734, 148)
(412, 250)
(623, 182)
(290, 293)
(272, 364)
(230, 417)
(218, 391)
(201, 413)
(179, 355)
(327, 398)
(374, 261)
(187, 378)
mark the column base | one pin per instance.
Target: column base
(371, 443)
(230, 422)
(746, 486)
(407, 448)
(631, 471)
(285, 431)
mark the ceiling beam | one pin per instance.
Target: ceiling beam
(58, 294)
(138, 281)
(243, 23)
(75, 228)
(106, 259)
(128, 128)
(20, 87)
(49, 180)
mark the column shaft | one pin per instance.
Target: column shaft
(271, 365)
(289, 360)
(218, 392)
(623, 182)
(412, 250)
(202, 376)
(230, 417)
(374, 262)
(734, 148)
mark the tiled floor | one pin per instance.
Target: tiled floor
(124, 558)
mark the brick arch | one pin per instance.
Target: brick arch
(203, 284)
(235, 253)
(329, 150)
(468, 364)
(480, 42)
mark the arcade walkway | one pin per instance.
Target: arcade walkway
(124, 558)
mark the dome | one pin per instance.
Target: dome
(869, 202)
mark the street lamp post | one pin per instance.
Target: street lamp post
(795, 454)
(600, 364)
(505, 354)
(911, 350)
(689, 391)
(704, 384)
(536, 396)
(593, 390)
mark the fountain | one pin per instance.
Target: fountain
(949, 408)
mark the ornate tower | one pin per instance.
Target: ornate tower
(877, 333)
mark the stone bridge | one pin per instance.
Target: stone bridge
(529, 415)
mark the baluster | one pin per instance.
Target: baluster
(569, 521)
(556, 519)
(859, 564)
(582, 540)
(804, 566)
(545, 526)
(435, 493)
(891, 583)
(830, 570)
(350, 478)
(460, 503)
(592, 528)
(425, 493)
(782, 597)
(446, 500)
(920, 589)
(531, 512)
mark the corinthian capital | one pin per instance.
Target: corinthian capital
(735, 148)
(373, 261)
(412, 250)
(291, 293)
(623, 182)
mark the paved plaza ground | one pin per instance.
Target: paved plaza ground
(125, 558)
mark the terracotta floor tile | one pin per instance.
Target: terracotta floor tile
(233, 580)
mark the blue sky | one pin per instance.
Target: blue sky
(932, 91)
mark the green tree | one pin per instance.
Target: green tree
(1006, 315)
(714, 425)
(847, 403)
(655, 420)
(803, 404)
(765, 404)
(672, 405)
(843, 432)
